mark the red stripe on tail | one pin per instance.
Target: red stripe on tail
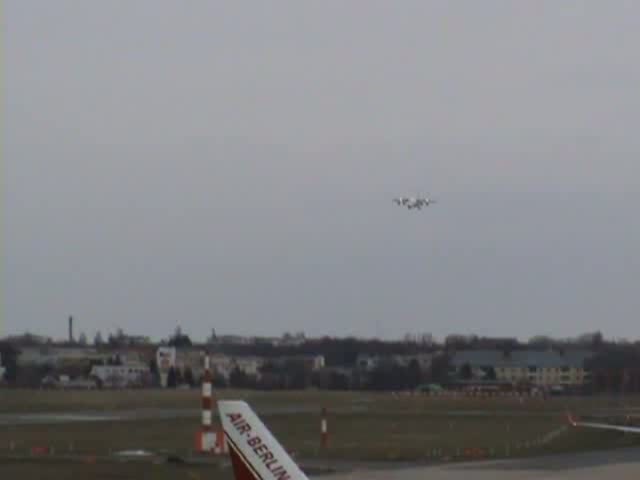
(241, 470)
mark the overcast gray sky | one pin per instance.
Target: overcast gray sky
(231, 165)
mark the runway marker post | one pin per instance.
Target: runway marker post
(324, 434)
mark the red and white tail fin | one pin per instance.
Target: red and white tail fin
(255, 453)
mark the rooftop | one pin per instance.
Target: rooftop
(521, 358)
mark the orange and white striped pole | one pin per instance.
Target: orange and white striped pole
(324, 434)
(208, 437)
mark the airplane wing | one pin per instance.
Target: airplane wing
(255, 453)
(602, 426)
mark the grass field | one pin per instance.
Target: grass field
(362, 426)
(362, 436)
(29, 401)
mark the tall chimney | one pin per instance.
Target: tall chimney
(70, 329)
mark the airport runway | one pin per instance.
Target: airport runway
(46, 418)
(43, 418)
(621, 464)
(168, 413)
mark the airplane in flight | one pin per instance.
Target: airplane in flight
(413, 202)
(602, 426)
(255, 453)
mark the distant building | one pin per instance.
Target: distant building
(131, 354)
(249, 365)
(56, 355)
(223, 365)
(63, 382)
(317, 362)
(28, 339)
(165, 360)
(540, 368)
(121, 376)
(367, 362)
(190, 359)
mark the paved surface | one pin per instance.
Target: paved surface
(43, 418)
(166, 413)
(610, 465)
(62, 417)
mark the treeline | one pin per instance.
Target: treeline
(336, 351)
(295, 373)
(9, 354)
(614, 366)
(591, 341)
(344, 351)
(615, 369)
(392, 377)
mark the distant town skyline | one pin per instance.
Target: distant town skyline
(89, 338)
(233, 165)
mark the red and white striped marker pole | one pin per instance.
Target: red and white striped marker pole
(208, 438)
(324, 434)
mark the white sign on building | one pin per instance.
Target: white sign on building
(165, 358)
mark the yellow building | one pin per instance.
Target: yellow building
(540, 368)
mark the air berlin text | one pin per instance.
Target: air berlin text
(259, 448)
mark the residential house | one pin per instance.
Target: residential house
(191, 359)
(249, 365)
(223, 365)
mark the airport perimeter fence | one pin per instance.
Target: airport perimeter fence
(460, 394)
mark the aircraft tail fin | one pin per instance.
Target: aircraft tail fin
(255, 453)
